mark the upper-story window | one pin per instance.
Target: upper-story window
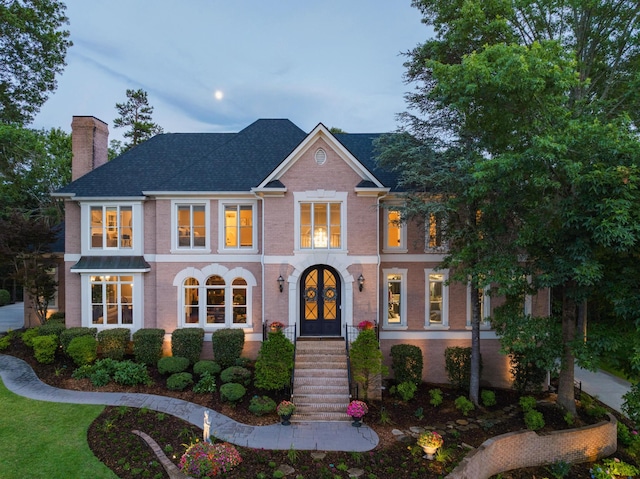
(437, 301)
(191, 226)
(320, 225)
(395, 232)
(434, 240)
(111, 227)
(238, 226)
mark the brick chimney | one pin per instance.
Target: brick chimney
(89, 140)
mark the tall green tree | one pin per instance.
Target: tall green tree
(135, 115)
(33, 47)
(546, 94)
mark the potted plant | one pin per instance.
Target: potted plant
(364, 325)
(357, 409)
(430, 441)
(276, 326)
(285, 410)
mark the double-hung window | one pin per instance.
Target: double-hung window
(485, 307)
(111, 227)
(396, 297)
(437, 298)
(238, 226)
(191, 226)
(395, 233)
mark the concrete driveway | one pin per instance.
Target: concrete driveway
(11, 317)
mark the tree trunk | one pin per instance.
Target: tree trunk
(474, 380)
(566, 395)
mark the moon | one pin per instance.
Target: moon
(218, 95)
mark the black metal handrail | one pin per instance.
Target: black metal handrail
(347, 345)
(293, 371)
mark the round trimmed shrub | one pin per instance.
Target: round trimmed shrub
(83, 350)
(172, 364)
(236, 374)
(44, 348)
(232, 392)
(68, 335)
(179, 381)
(206, 366)
(5, 297)
(29, 334)
(262, 405)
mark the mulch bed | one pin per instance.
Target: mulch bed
(112, 441)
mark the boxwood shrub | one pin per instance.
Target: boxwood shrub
(44, 348)
(206, 366)
(236, 374)
(147, 345)
(67, 335)
(113, 343)
(262, 405)
(227, 345)
(179, 381)
(232, 392)
(187, 343)
(57, 317)
(172, 365)
(407, 363)
(51, 328)
(29, 334)
(83, 350)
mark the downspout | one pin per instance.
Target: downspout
(379, 261)
(262, 295)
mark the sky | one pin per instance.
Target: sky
(219, 65)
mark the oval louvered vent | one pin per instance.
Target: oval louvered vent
(321, 157)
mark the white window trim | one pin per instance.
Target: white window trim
(402, 247)
(137, 230)
(228, 275)
(175, 248)
(402, 272)
(320, 196)
(444, 247)
(485, 323)
(445, 299)
(137, 300)
(222, 248)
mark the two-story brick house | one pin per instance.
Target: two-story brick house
(271, 223)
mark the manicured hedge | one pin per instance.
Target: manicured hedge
(113, 343)
(275, 362)
(147, 345)
(187, 343)
(407, 364)
(52, 328)
(227, 346)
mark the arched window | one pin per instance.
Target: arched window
(215, 300)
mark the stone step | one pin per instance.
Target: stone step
(320, 373)
(340, 407)
(341, 363)
(317, 416)
(307, 389)
(320, 346)
(321, 356)
(302, 399)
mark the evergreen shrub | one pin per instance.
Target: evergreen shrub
(147, 345)
(29, 334)
(464, 405)
(5, 297)
(67, 335)
(236, 374)
(187, 343)
(262, 405)
(407, 390)
(274, 365)
(44, 348)
(179, 381)
(129, 373)
(113, 343)
(51, 328)
(57, 317)
(534, 420)
(83, 350)
(206, 366)
(407, 363)
(366, 359)
(232, 392)
(457, 362)
(227, 346)
(206, 384)
(172, 364)
(488, 398)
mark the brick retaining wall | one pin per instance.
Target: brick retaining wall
(521, 449)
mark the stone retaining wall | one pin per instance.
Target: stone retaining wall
(521, 449)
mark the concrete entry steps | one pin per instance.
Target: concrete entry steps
(321, 380)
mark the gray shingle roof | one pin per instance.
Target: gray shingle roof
(209, 162)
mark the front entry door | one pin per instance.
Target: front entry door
(320, 302)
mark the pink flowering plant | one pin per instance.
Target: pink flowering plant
(276, 326)
(203, 459)
(285, 408)
(430, 439)
(357, 408)
(364, 325)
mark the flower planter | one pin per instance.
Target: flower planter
(356, 421)
(285, 419)
(429, 451)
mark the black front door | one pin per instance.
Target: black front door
(320, 302)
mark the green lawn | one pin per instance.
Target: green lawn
(46, 440)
